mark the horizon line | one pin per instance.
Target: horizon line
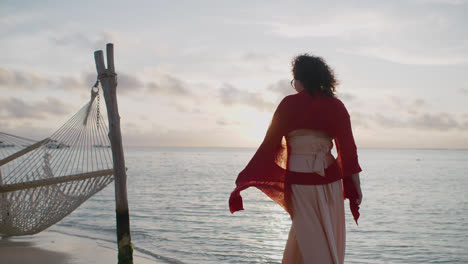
(244, 147)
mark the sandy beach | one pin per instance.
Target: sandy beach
(55, 248)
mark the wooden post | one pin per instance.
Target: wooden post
(108, 80)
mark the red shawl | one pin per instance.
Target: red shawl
(267, 170)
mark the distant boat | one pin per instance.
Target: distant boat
(56, 145)
(101, 146)
(4, 145)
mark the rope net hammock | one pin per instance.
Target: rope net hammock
(42, 182)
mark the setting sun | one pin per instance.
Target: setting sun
(257, 125)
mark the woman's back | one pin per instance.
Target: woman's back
(310, 151)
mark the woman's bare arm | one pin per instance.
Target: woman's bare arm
(357, 183)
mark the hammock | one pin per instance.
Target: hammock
(42, 182)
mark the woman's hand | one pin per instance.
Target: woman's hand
(357, 184)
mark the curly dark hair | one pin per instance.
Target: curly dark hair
(314, 74)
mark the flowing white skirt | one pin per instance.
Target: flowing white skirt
(317, 233)
(318, 228)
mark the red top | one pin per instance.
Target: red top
(267, 170)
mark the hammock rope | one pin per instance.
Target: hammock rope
(42, 182)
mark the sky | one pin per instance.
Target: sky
(211, 73)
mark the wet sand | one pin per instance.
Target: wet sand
(50, 247)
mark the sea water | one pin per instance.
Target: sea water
(415, 208)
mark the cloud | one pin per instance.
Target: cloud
(444, 2)
(76, 39)
(346, 97)
(221, 122)
(85, 41)
(412, 106)
(409, 113)
(408, 56)
(26, 130)
(338, 28)
(256, 56)
(179, 107)
(419, 103)
(22, 80)
(15, 22)
(464, 124)
(13, 79)
(229, 95)
(281, 87)
(424, 121)
(388, 121)
(415, 106)
(128, 83)
(26, 80)
(168, 85)
(18, 108)
(404, 37)
(343, 23)
(463, 91)
(359, 119)
(438, 121)
(72, 83)
(378, 30)
(395, 100)
(4, 125)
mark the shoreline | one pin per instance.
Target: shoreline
(50, 247)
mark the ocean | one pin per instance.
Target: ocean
(415, 209)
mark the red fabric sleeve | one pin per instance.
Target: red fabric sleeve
(347, 157)
(344, 141)
(264, 170)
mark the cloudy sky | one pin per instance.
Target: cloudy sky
(210, 73)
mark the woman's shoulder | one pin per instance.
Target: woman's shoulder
(331, 102)
(334, 104)
(288, 99)
(336, 101)
(339, 107)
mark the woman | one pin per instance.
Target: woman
(294, 165)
